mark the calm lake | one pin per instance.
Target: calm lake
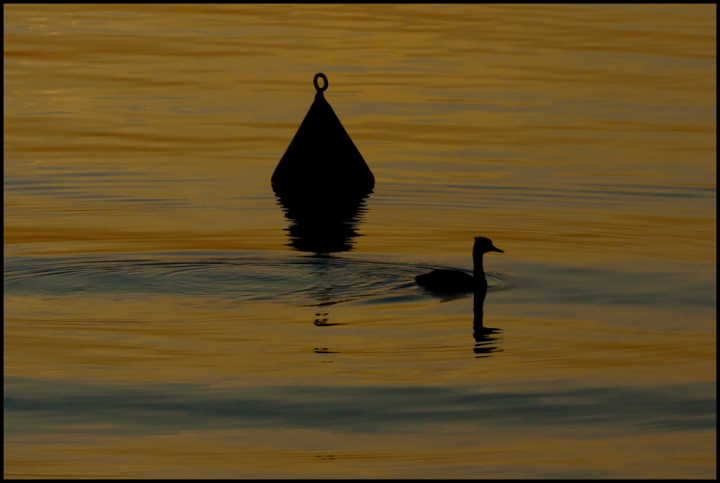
(165, 315)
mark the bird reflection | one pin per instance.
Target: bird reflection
(485, 337)
(451, 284)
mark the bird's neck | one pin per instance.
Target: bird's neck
(478, 272)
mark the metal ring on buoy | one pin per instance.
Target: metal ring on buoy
(315, 82)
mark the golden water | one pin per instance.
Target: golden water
(157, 324)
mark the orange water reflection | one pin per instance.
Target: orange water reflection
(581, 138)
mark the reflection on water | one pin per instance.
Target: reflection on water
(485, 337)
(315, 281)
(375, 409)
(322, 320)
(323, 221)
(156, 323)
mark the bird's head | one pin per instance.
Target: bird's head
(484, 245)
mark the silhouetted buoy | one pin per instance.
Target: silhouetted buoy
(322, 156)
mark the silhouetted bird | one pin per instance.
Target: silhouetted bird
(456, 281)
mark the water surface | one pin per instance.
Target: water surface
(163, 317)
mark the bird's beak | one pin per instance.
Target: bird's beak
(495, 249)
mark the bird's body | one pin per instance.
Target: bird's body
(447, 281)
(450, 281)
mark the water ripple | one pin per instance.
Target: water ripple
(309, 280)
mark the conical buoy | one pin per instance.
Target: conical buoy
(322, 157)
